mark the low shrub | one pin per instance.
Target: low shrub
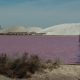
(56, 63)
(24, 66)
(21, 67)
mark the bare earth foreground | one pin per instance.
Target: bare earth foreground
(64, 72)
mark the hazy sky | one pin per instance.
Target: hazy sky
(39, 12)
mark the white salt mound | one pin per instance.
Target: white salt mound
(63, 29)
(22, 29)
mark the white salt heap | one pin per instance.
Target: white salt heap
(22, 29)
(63, 29)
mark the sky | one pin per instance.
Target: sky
(41, 13)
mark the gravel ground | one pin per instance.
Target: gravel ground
(65, 72)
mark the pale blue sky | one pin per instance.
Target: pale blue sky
(39, 12)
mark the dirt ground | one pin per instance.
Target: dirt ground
(64, 72)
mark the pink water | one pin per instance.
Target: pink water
(64, 47)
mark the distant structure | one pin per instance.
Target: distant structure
(22, 33)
